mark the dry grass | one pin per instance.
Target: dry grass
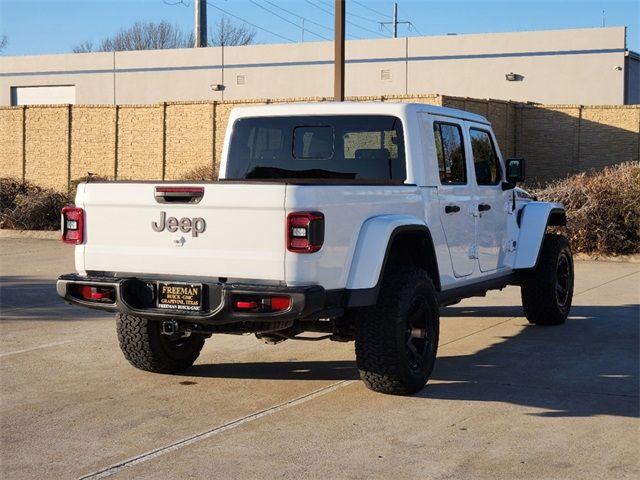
(603, 209)
(203, 173)
(24, 206)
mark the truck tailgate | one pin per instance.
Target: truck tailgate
(235, 230)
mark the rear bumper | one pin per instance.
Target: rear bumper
(137, 296)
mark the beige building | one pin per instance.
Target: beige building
(581, 66)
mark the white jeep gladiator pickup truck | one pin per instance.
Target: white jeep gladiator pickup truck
(356, 220)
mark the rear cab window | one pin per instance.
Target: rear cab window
(485, 159)
(450, 153)
(350, 147)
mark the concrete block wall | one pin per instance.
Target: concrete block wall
(140, 142)
(600, 129)
(47, 146)
(189, 130)
(12, 142)
(169, 140)
(560, 140)
(93, 141)
(501, 114)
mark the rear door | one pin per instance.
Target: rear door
(490, 198)
(455, 193)
(231, 230)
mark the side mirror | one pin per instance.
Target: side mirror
(515, 170)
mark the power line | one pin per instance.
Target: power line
(288, 21)
(310, 21)
(347, 21)
(298, 16)
(173, 4)
(319, 7)
(328, 4)
(415, 28)
(369, 8)
(249, 23)
(363, 18)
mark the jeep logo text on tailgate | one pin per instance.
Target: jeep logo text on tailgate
(195, 225)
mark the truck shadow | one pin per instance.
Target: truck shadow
(33, 298)
(588, 366)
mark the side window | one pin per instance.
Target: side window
(485, 160)
(450, 151)
(267, 143)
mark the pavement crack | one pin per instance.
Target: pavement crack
(475, 332)
(606, 283)
(112, 470)
(25, 350)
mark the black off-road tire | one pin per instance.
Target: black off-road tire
(547, 290)
(385, 359)
(146, 348)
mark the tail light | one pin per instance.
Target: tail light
(259, 304)
(93, 293)
(72, 225)
(305, 232)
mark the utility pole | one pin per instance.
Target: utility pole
(395, 20)
(338, 62)
(200, 26)
(394, 23)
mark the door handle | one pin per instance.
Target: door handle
(483, 207)
(451, 209)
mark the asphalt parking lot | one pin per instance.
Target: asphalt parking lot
(506, 400)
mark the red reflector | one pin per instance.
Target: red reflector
(280, 303)
(95, 293)
(244, 305)
(72, 225)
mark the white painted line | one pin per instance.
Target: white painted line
(107, 472)
(46, 345)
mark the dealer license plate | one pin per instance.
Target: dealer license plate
(180, 296)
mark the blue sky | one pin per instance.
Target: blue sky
(56, 26)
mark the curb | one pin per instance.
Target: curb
(585, 257)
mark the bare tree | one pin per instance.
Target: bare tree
(146, 36)
(227, 34)
(155, 36)
(140, 36)
(84, 47)
(3, 42)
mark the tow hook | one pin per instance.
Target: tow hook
(170, 327)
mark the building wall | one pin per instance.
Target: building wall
(563, 66)
(144, 77)
(53, 146)
(91, 73)
(633, 79)
(580, 66)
